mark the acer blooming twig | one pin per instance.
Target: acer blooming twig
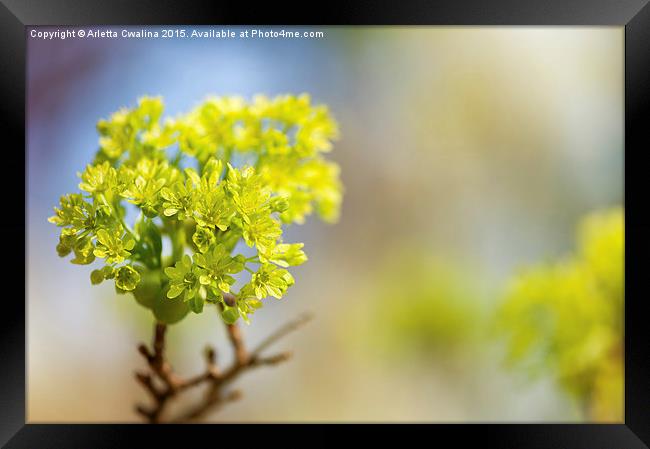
(217, 184)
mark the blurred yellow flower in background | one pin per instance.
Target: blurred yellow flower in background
(566, 317)
(424, 306)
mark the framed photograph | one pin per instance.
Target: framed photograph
(384, 214)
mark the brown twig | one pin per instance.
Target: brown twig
(171, 385)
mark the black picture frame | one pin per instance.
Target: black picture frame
(634, 15)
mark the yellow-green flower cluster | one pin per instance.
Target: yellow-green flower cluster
(285, 136)
(228, 171)
(566, 317)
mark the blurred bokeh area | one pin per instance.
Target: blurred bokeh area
(475, 274)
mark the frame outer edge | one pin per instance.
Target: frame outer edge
(637, 33)
(637, 227)
(12, 331)
(378, 12)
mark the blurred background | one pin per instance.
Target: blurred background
(466, 154)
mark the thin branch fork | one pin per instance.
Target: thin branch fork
(163, 384)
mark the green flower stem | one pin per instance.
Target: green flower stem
(177, 159)
(129, 230)
(83, 234)
(126, 227)
(178, 239)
